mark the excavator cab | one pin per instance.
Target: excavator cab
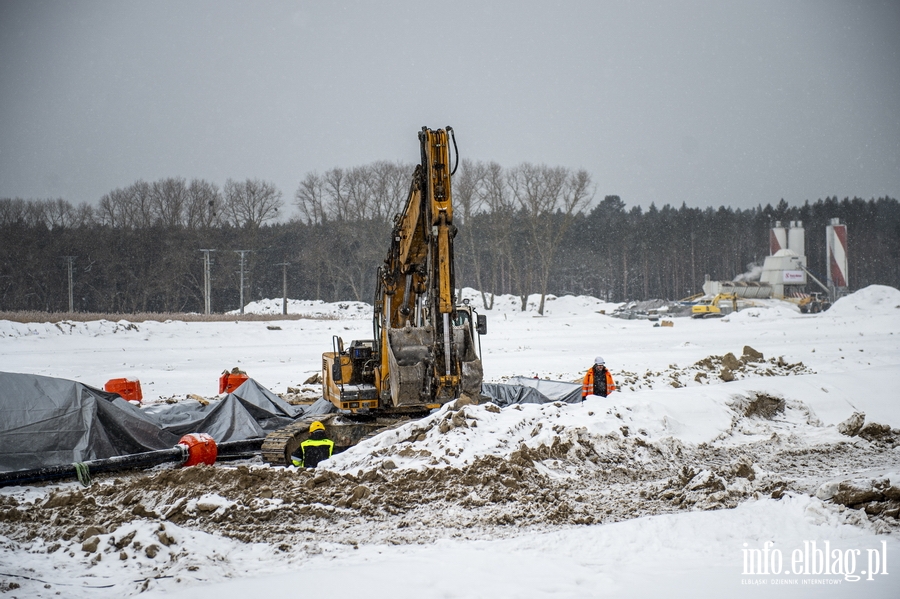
(464, 315)
(348, 376)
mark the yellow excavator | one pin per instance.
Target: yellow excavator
(711, 308)
(426, 346)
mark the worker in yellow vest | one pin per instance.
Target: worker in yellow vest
(315, 449)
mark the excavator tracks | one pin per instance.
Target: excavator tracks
(279, 445)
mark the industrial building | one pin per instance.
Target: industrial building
(784, 274)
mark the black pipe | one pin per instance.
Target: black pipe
(228, 448)
(179, 453)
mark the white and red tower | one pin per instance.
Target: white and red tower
(777, 238)
(836, 247)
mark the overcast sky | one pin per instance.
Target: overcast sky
(709, 103)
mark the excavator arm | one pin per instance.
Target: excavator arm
(423, 233)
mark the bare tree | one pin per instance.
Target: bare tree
(168, 198)
(111, 209)
(204, 205)
(58, 213)
(469, 200)
(389, 186)
(12, 211)
(311, 199)
(549, 198)
(84, 215)
(356, 206)
(359, 193)
(371, 192)
(139, 204)
(335, 189)
(127, 207)
(252, 202)
(500, 205)
(35, 213)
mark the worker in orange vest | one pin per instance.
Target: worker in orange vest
(598, 380)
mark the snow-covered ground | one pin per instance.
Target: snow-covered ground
(666, 488)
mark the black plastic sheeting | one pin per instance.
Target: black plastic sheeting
(49, 422)
(526, 390)
(249, 411)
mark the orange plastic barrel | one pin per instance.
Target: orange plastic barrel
(201, 449)
(127, 388)
(228, 382)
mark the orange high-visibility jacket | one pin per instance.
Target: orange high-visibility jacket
(587, 388)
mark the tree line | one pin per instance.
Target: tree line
(520, 230)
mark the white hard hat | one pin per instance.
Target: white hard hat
(599, 360)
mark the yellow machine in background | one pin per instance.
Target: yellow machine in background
(712, 308)
(813, 304)
(425, 351)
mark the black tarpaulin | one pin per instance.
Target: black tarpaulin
(51, 422)
(250, 411)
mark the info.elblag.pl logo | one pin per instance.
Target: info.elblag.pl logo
(816, 559)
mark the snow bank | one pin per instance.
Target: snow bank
(93, 328)
(766, 311)
(311, 309)
(874, 299)
(455, 439)
(512, 304)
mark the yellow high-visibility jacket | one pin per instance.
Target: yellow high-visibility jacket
(313, 451)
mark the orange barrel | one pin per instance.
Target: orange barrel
(127, 388)
(228, 382)
(201, 449)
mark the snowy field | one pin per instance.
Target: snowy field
(676, 486)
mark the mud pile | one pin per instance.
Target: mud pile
(713, 369)
(877, 497)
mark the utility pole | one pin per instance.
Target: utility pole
(693, 271)
(70, 260)
(207, 288)
(284, 266)
(242, 252)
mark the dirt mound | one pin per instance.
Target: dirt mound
(877, 497)
(714, 369)
(762, 405)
